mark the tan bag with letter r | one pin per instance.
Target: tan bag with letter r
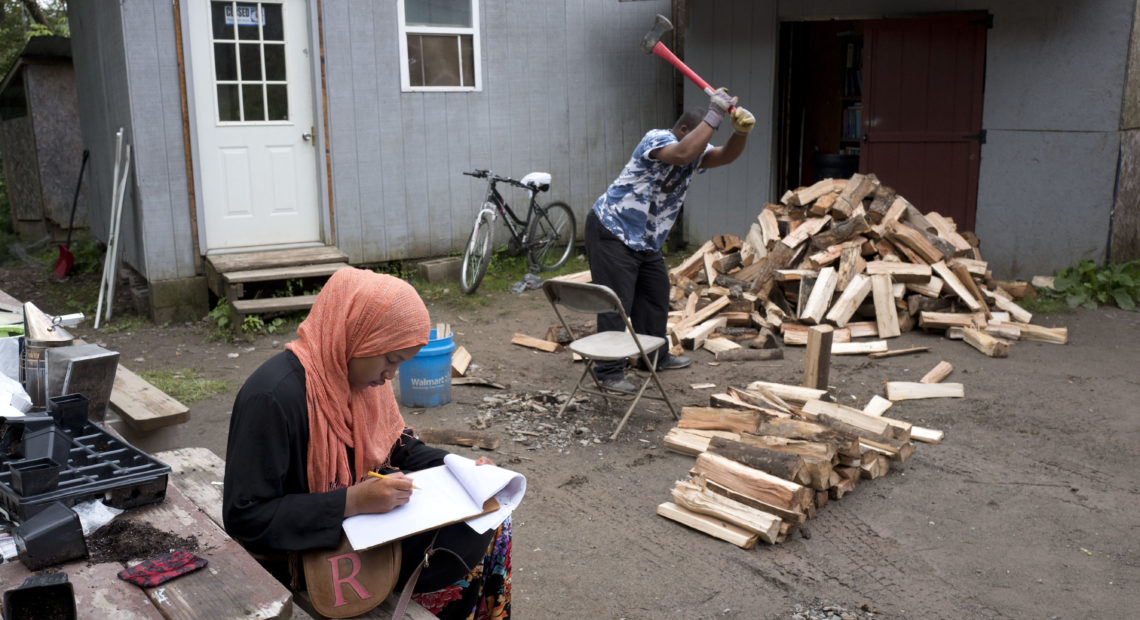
(343, 583)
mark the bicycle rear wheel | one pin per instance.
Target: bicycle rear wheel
(478, 253)
(550, 236)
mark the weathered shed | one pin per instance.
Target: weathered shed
(289, 125)
(39, 139)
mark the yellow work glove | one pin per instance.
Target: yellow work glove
(742, 120)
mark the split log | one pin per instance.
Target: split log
(843, 443)
(721, 419)
(701, 315)
(805, 231)
(756, 400)
(700, 500)
(769, 227)
(886, 313)
(877, 467)
(948, 231)
(1005, 302)
(932, 288)
(897, 352)
(946, 320)
(858, 187)
(1037, 333)
(780, 464)
(817, 360)
(909, 390)
(956, 285)
(716, 528)
(720, 345)
(938, 373)
(859, 348)
(849, 300)
(863, 329)
(789, 517)
(797, 335)
(691, 265)
(794, 394)
(694, 337)
(985, 343)
(900, 272)
(877, 406)
(1006, 331)
(968, 280)
(460, 360)
(841, 232)
(816, 409)
(821, 293)
(693, 441)
(753, 483)
(804, 196)
(750, 355)
(905, 236)
(823, 204)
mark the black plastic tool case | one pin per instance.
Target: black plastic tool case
(99, 465)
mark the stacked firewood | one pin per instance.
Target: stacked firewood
(854, 255)
(768, 456)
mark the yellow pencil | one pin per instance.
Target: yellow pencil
(376, 475)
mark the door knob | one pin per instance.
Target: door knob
(307, 136)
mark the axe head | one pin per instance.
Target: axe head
(661, 25)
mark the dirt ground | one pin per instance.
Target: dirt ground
(1027, 509)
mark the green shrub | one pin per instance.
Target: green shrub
(1088, 285)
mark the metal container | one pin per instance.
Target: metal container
(41, 332)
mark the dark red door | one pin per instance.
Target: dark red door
(922, 110)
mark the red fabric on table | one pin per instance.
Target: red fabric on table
(163, 568)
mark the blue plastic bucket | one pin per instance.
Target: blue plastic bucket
(425, 380)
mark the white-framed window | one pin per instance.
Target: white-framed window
(439, 45)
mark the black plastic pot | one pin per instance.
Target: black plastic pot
(69, 412)
(52, 536)
(41, 596)
(49, 442)
(34, 476)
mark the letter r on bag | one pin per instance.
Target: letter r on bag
(354, 559)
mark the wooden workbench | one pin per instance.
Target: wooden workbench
(233, 585)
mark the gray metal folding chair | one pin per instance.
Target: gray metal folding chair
(605, 346)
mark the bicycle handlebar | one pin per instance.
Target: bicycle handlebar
(480, 173)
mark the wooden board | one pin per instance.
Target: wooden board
(141, 405)
(849, 300)
(908, 390)
(460, 360)
(817, 360)
(886, 313)
(713, 527)
(535, 343)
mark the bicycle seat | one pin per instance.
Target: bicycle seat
(538, 181)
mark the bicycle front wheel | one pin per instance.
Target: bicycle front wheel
(550, 236)
(478, 253)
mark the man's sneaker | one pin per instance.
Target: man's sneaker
(618, 384)
(673, 362)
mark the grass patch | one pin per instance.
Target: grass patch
(1043, 304)
(185, 386)
(503, 272)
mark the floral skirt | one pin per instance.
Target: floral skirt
(482, 594)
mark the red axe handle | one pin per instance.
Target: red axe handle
(672, 59)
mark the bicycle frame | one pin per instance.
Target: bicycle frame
(516, 225)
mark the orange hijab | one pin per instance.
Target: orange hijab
(358, 313)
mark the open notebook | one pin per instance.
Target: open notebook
(458, 490)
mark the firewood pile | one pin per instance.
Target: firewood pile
(769, 455)
(854, 255)
(840, 267)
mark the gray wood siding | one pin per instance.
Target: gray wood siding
(570, 96)
(734, 45)
(127, 76)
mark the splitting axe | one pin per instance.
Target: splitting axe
(651, 44)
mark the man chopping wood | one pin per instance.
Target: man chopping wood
(630, 221)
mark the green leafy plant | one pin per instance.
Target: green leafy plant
(1088, 285)
(221, 316)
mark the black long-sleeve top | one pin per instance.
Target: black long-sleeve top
(266, 503)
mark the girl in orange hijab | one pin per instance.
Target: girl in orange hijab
(313, 420)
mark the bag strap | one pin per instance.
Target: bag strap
(406, 595)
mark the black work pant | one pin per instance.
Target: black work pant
(641, 281)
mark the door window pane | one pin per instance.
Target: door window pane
(248, 21)
(225, 63)
(250, 62)
(228, 108)
(277, 100)
(275, 62)
(220, 28)
(272, 26)
(253, 102)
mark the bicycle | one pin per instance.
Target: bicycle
(546, 235)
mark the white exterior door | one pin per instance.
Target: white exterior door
(253, 106)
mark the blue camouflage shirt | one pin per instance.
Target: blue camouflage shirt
(642, 204)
